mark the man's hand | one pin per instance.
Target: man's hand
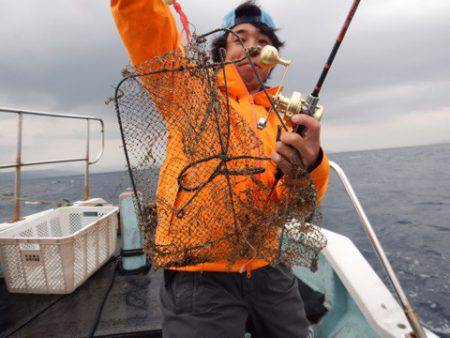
(293, 151)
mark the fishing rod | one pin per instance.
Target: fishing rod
(310, 105)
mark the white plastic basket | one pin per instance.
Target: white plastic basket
(57, 250)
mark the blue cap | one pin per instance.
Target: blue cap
(230, 20)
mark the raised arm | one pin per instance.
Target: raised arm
(147, 28)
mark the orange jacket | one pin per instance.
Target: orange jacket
(148, 29)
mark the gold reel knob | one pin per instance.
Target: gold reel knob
(270, 57)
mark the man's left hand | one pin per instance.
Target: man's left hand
(293, 150)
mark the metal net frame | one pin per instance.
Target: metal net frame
(199, 173)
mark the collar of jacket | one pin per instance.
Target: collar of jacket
(237, 88)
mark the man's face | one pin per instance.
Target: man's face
(251, 36)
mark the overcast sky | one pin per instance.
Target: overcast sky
(389, 85)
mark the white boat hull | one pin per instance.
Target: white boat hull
(359, 303)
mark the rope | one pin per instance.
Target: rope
(220, 170)
(98, 314)
(184, 20)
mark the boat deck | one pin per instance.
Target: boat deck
(131, 309)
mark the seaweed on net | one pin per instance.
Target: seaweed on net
(198, 170)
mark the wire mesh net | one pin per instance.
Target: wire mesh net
(203, 166)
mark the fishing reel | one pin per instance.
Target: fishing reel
(289, 106)
(286, 107)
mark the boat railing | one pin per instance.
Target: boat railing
(19, 163)
(407, 308)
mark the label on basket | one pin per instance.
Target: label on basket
(31, 257)
(90, 214)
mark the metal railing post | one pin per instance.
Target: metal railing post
(86, 164)
(16, 215)
(409, 311)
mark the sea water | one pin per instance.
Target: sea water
(406, 195)
(404, 191)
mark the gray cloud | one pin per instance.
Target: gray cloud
(392, 70)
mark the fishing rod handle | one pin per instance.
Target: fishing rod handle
(299, 129)
(309, 108)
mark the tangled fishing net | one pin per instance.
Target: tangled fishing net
(198, 160)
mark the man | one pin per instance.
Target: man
(216, 299)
